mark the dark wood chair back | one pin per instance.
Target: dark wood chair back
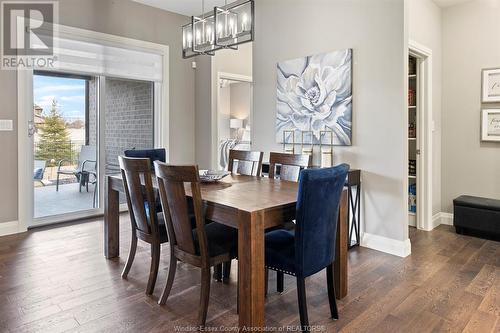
(291, 164)
(171, 185)
(249, 163)
(140, 198)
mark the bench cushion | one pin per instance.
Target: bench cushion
(477, 202)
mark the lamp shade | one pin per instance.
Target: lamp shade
(235, 123)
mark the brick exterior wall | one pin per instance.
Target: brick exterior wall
(129, 118)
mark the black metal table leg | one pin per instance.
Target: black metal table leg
(354, 214)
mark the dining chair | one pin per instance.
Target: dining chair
(158, 154)
(206, 246)
(243, 162)
(290, 167)
(311, 248)
(147, 225)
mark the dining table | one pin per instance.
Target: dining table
(251, 205)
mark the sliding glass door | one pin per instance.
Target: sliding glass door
(104, 95)
(64, 145)
(81, 125)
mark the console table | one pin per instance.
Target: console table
(353, 184)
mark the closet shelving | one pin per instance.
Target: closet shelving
(412, 140)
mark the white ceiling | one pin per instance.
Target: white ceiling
(449, 3)
(185, 7)
(193, 7)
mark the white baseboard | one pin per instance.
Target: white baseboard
(447, 218)
(442, 218)
(387, 245)
(9, 228)
(436, 221)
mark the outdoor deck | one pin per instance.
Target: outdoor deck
(68, 199)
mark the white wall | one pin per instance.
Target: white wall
(241, 101)
(425, 29)
(376, 31)
(471, 42)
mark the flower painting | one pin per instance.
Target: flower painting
(315, 94)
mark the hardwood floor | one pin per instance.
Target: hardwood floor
(56, 280)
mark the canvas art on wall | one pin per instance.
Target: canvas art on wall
(315, 94)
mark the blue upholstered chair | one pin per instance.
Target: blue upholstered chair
(153, 154)
(311, 247)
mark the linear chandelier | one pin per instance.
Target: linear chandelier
(225, 28)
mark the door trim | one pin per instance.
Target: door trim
(425, 132)
(25, 102)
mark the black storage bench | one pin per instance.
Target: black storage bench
(477, 216)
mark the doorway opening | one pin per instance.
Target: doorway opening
(419, 137)
(234, 115)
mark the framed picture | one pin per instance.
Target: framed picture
(490, 125)
(491, 85)
(314, 94)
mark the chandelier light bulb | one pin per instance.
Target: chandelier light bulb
(244, 21)
(231, 26)
(209, 33)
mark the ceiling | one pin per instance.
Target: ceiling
(184, 7)
(193, 7)
(449, 3)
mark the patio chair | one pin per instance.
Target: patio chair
(85, 168)
(39, 170)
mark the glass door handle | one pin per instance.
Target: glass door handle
(31, 128)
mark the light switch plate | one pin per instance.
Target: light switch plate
(6, 125)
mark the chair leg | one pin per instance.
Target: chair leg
(153, 272)
(218, 273)
(170, 280)
(57, 183)
(280, 281)
(204, 296)
(226, 271)
(266, 286)
(330, 278)
(301, 293)
(131, 256)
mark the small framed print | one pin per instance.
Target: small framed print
(491, 85)
(490, 125)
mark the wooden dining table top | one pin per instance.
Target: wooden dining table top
(246, 193)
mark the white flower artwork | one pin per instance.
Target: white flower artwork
(315, 94)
